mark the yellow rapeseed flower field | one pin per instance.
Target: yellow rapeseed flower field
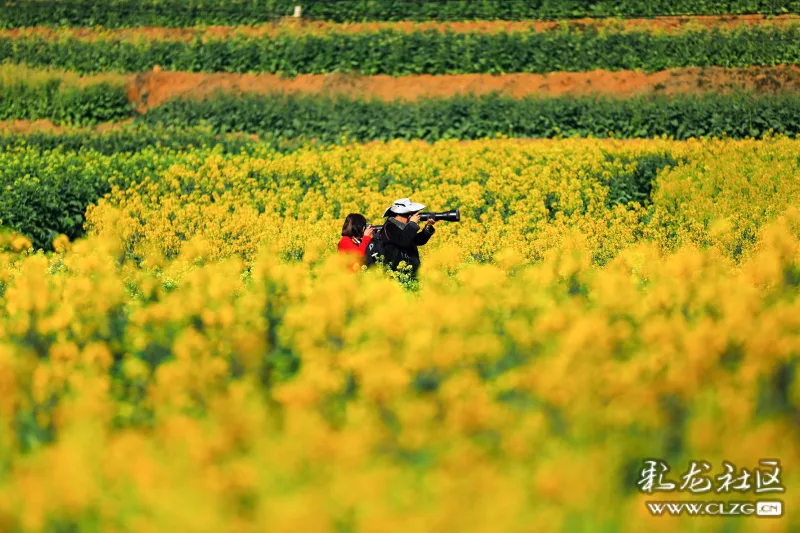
(203, 362)
(525, 196)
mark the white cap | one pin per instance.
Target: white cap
(403, 206)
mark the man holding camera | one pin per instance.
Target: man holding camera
(400, 236)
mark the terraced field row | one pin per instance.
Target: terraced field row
(683, 103)
(417, 80)
(178, 13)
(303, 27)
(681, 77)
(431, 52)
(151, 89)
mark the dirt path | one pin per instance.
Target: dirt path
(151, 89)
(22, 127)
(666, 24)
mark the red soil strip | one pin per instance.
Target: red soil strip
(22, 127)
(151, 89)
(664, 24)
(26, 126)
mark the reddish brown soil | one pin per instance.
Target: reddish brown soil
(25, 126)
(45, 126)
(667, 24)
(151, 89)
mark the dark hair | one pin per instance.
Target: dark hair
(354, 226)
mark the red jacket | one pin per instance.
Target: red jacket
(347, 246)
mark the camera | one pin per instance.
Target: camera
(454, 215)
(450, 216)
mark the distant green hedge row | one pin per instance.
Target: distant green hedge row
(429, 52)
(140, 136)
(469, 117)
(304, 117)
(176, 13)
(62, 104)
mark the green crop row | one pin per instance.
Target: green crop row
(139, 136)
(429, 52)
(277, 117)
(62, 103)
(177, 13)
(470, 117)
(281, 118)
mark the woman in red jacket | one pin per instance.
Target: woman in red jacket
(356, 236)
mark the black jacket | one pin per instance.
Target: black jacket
(400, 242)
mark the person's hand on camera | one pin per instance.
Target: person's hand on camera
(431, 222)
(368, 232)
(415, 218)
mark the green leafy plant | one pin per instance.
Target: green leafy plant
(47, 196)
(138, 136)
(399, 53)
(63, 103)
(634, 183)
(471, 117)
(177, 13)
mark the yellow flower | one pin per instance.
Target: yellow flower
(61, 243)
(20, 243)
(203, 361)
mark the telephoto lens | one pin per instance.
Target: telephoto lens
(454, 215)
(449, 216)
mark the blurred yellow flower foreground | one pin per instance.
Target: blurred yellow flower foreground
(156, 383)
